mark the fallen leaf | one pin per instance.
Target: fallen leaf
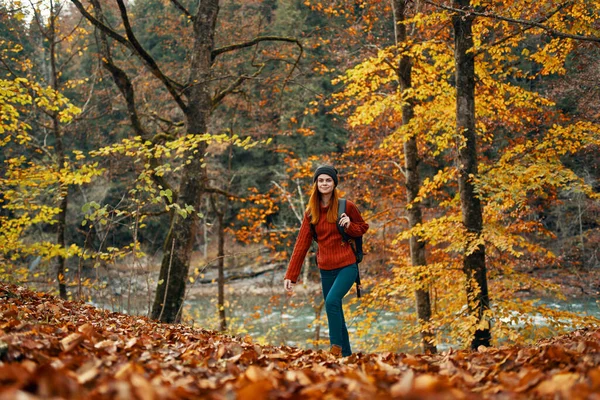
(404, 385)
(255, 390)
(255, 373)
(88, 371)
(70, 342)
(559, 383)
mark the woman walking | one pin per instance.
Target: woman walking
(335, 258)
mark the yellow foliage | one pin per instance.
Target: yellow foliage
(511, 119)
(32, 188)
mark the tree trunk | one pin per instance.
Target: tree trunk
(62, 215)
(61, 225)
(183, 230)
(411, 161)
(474, 259)
(221, 265)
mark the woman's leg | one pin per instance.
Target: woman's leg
(336, 284)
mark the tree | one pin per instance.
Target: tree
(472, 214)
(195, 101)
(28, 181)
(413, 183)
(50, 48)
(50, 32)
(509, 120)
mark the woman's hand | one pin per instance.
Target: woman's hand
(288, 285)
(344, 220)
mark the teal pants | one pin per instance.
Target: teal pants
(336, 283)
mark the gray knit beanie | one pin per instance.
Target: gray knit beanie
(327, 170)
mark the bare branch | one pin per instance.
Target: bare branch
(132, 44)
(170, 124)
(221, 192)
(289, 77)
(238, 82)
(177, 4)
(234, 85)
(531, 24)
(154, 214)
(170, 85)
(8, 68)
(288, 197)
(100, 25)
(89, 98)
(38, 21)
(253, 42)
(125, 86)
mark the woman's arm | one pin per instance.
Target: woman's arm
(303, 242)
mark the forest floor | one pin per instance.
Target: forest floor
(50, 348)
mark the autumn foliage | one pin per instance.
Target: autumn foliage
(55, 348)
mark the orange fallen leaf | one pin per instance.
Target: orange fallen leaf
(404, 385)
(559, 383)
(255, 390)
(255, 373)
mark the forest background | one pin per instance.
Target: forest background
(153, 151)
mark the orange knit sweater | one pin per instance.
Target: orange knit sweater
(332, 252)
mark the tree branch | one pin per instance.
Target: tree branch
(221, 50)
(523, 30)
(132, 44)
(532, 24)
(220, 191)
(234, 85)
(238, 82)
(181, 8)
(288, 197)
(101, 26)
(170, 125)
(171, 86)
(125, 86)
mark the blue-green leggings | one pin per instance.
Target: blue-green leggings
(336, 283)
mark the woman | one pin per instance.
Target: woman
(335, 258)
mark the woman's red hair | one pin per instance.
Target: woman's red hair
(314, 206)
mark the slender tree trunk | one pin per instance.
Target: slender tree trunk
(318, 310)
(413, 182)
(205, 232)
(61, 225)
(221, 266)
(220, 212)
(474, 259)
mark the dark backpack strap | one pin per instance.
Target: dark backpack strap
(342, 210)
(355, 243)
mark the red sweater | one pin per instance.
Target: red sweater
(332, 252)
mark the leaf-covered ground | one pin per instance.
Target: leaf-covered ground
(51, 348)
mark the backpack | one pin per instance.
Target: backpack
(354, 242)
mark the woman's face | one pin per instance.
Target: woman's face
(325, 184)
